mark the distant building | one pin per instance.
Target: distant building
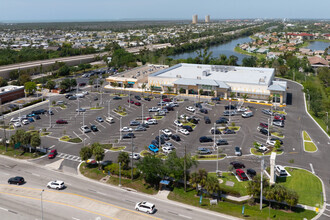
(194, 19)
(207, 19)
(10, 93)
(318, 62)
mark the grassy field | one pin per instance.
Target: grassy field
(18, 153)
(307, 185)
(306, 136)
(251, 212)
(209, 157)
(192, 125)
(240, 187)
(72, 140)
(96, 108)
(310, 146)
(258, 153)
(258, 55)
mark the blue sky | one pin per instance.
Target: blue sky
(73, 10)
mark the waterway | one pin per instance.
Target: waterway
(226, 49)
(318, 45)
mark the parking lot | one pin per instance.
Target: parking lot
(110, 132)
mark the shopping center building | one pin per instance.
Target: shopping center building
(222, 81)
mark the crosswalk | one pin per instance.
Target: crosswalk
(69, 157)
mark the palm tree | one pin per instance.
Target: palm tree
(199, 94)
(270, 195)
(212, 185)
(144, 85)
(245, 96)
(152, 88)
(232, 95)
(182, 90)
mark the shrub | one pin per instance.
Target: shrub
(114, 170)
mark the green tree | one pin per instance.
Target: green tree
(245, 97)
(30, 87)
(249, 61)
(291, 198)
(152, 169)
(199, 94)
(35, 140)
(199, 178)
(232, 95)
(182, 90)
(64, 70)
(24, 78)
(98, 153)
(144, 85)
(253, 187)
(124, 159)
(85, 153)
(50, 85)
(212, 185)
(269, 194)
(3, 82)
(277, 145)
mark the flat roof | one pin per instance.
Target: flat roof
(10, 88)
(226, 74)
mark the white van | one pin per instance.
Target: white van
(109, 119)
(80, 95)
(247, 114)
(280, 171)
(145, 207)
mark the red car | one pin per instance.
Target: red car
(241, 174)
(137, 103)
(52, 154)
(82, 84)
(61, 121)
(277, 117)
(148, 118)
(264, 125)
(132, 102)
(167, 100)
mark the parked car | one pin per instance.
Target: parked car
(263, 125)
(56, 184)
(152, 121)
(68, 96)
(134, 123)
(221, 142)
(280, 171)
(137, 103)
(85, 129)
(193, 120)
(222, 120)
(237, 165)
(52, 154)
(251, 172)
(205, 139)
(229, 113)
(277, 117)
(198, 105)
(238, 151)
(94, 128)
(228, 131)
(99, 119)
(147, 99)
(82, 84)
(207, 120)
(73, 97)
(145, 207)
(247, 114)
(203, 150)
(276, 139)
(190, 108)
(262, 148)
(128, 135)
(278, 123)
(167, 100)
(153, 148)
(140, 128)
(137, 97)
(60, 121)
(215, 98)
(217, 131)
(167, 149)
(161, 113)
(25, 122)
(96, 98)
(116, 98)
(187, 127)
(203, 110)
(184, 131)
(36, 117)
(16, 180)
(154, 109)
(264, 131)
(80, 110)
(109, 120)
(135, 156)
(178, 123)
(126, 129)
(267, 111)
(161, 139)
(176, 137)
(241, 175)
(17, 124)
(30, 119)
(227, 107)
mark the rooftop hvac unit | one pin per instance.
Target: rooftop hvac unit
(178, 76)
(206, 73)
(198, 77)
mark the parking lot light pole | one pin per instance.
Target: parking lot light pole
(159, 139)
(119, 174)
(50, 115)
(129, 98)
(83, 118)
(268, 130)
(120, 128)
(42, 209)
(216, 148)
(177, 121)
(142, 114)
(78, 106)
(109, 108)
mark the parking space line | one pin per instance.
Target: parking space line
(100, 124)
(311, 165)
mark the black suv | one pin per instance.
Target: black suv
(237, 165)
(176, 137)
(207, 120)
(221, 142)
(205, 139)
(203, 110)
(16, 180)
(221, 120)
(264, 131)
(137, 97)
(227, 107)
(188, 128)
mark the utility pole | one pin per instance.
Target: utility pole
(119, 174)
(262, 171)
(120, 129)
(177, 121)
(142, 114)
(132, 160)
(184, 168)
(129, 98)
(268, 130)
(214, 131)
(83, 118)
(50, 115)
(109, 108)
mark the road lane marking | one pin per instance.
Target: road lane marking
(312, 168)
(75, 218)
(184, 216)
(4, 209)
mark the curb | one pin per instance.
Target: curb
(302, 134)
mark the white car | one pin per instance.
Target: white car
(25, 122)
(242, 109)
(154, 109)
(109, 119)
(56, 184)
(17, 124)
(85, 129)
(167, 132)
(126, 129)
(152, 122)
(135, 156)
(85, 93)
(191, 109)
(167, 150)
(168, 144)
(263, 148)
(178, 123)
(14, 120)
(184, 131)
(270, 142)
(278, 123)
(145, 207)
